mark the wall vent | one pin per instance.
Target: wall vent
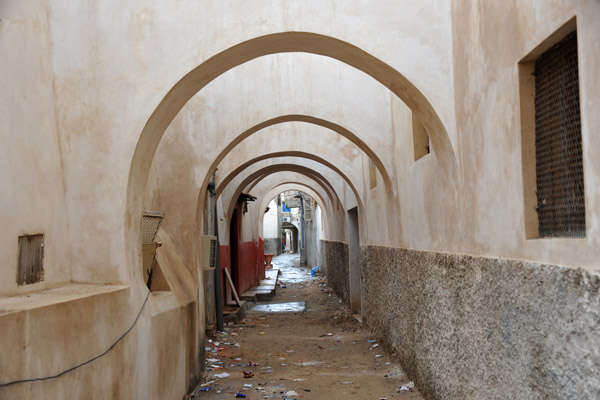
(209, 252)
(150, 223)
(31, 259)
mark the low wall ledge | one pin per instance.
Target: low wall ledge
(62, 294)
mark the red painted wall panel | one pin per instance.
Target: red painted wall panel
(260, 258)
(247, 274)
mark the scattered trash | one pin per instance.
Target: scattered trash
(221, 375)
(205, 389)
(346, 383)
(238, 394)
(262, 333)
(248, 385)
(410, 385)
(248, 374)
(291, 393)
(378, 356)
(310, 363)
(374, 346)
(327, 335)
(315, 270)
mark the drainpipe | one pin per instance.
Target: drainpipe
(302, 218)
(217, 274)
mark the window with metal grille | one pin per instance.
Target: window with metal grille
(558, 153)
(31, 259)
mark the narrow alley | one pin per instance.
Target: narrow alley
(306, 345)
(173, 171)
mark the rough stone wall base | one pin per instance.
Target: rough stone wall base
(334, 256)
(467, 327)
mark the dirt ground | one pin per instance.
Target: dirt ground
(319, 353)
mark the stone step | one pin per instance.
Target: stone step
(265, 290)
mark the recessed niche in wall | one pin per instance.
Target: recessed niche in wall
(30, 268)
(551, 138)
(372, 174)
(420, 138)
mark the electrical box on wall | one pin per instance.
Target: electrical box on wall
(308, 214)
(209, 252)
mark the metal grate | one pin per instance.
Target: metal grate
(559, 166)
(150, 222)
(212, 261)
(31, 259)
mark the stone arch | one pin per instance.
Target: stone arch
(312, 157)
(260, 174)
(289, 185)
(351, 136)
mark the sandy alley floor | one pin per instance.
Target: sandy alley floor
(319, 353)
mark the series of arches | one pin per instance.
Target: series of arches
(284, 42)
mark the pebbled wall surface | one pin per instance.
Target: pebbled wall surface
(466, 327)
(334, 256)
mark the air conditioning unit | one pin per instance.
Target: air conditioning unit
(287, 219)
(209, 252)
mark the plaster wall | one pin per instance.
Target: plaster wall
(32, 200)
(270, 221)
(313, 240)
(487, 51)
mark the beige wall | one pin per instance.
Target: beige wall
(82, 80)
(487, 51)
(32, 198)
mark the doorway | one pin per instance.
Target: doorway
(234, 241)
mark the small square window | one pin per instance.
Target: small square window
(31, 259)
